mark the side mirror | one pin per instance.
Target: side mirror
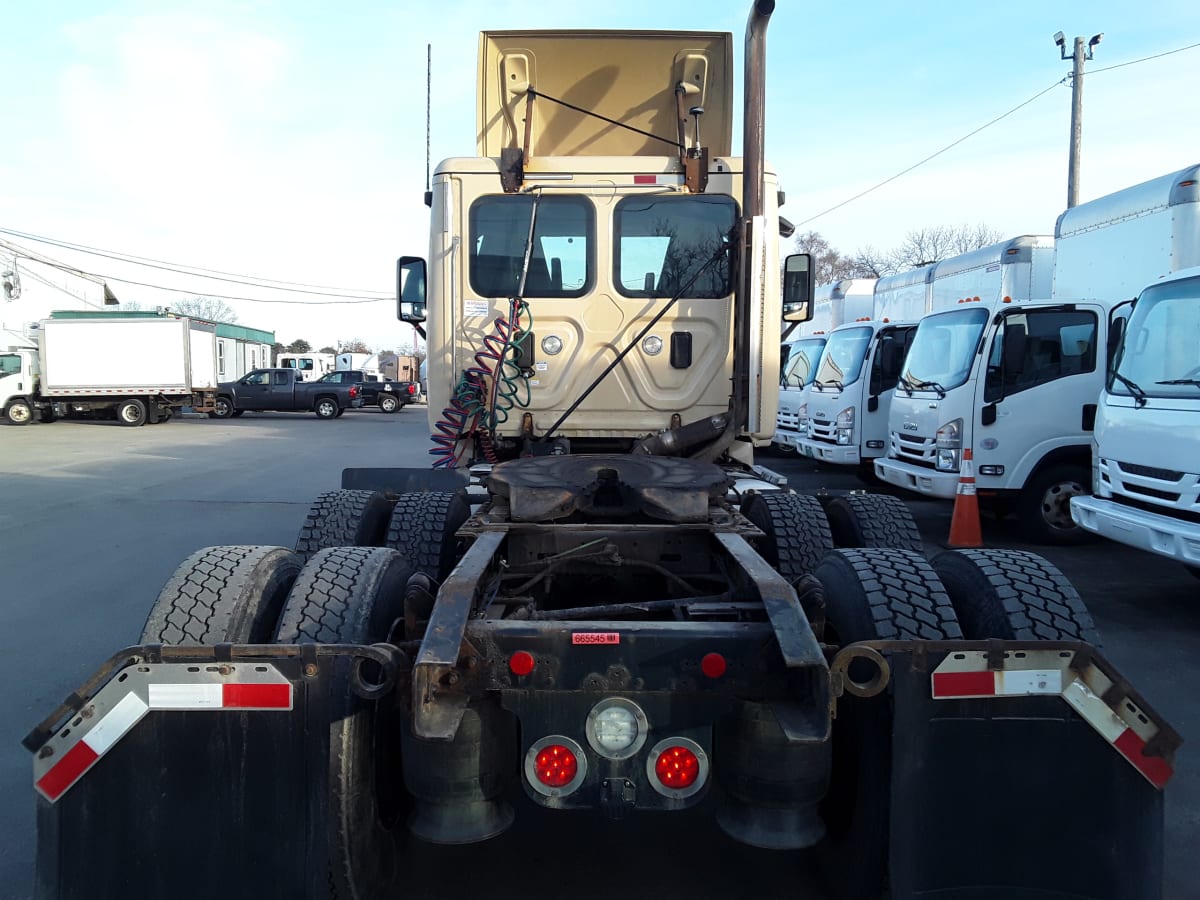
(410, 289)
(798, 288)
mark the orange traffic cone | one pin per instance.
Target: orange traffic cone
(964, 524)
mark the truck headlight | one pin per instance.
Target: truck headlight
(844, 424)
(949, 445)
(802, 418)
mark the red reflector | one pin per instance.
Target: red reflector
(713, 665)
(73, 764)
(677, 767)
(556, 766)
(521, 663)
(256, 696)
(964, 684)
(1155, 768)
(645, 179)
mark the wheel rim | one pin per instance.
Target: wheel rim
(326, 408)
(19, 412)
(1056, 505)
(130, 413)
(388, 404)
(222, 408)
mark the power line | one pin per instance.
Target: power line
(161, 287)
(933, 155)
(988, 125)
(216, 275)
(1134, 62)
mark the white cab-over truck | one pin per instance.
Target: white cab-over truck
(1146, 445)
(843, 416)
(597, 605)
(138, 369)
(840, 301)
(308, 366)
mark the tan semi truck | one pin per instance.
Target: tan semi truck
(594, 601)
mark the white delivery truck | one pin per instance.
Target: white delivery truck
(1146, 448)
(138, 368)
(833, 304)
(364, 362)
(1008, 375)
(308, 366)
(843, 416)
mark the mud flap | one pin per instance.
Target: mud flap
(1014, 797)
(195, 803)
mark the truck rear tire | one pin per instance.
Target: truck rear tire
(422, 527)
(1044, 505)
(223, 594)
(19, 412)
(344, 519)
(326, 408)
(353, 595)
(388, 403)
(873, 520)
(131, 413)
(1013, 595)
(870, 595)
(796, 531)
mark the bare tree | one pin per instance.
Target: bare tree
(130, 306)
(328, 349)
(828, 264)
(211, 309)
(299, 346)
(354, 345)
(935, 243)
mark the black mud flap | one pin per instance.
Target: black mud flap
(189, 795)
(1021, 797)
(403, 481)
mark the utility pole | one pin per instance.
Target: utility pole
(1080, 53)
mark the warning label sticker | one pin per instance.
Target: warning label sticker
(596, 637)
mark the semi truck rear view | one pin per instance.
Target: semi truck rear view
(594, 603)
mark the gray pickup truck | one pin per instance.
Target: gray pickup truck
(279, 390)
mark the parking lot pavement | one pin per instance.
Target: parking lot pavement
(96, 517)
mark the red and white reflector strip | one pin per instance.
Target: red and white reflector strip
(138, 690)
(1032, 672)
(658, 179)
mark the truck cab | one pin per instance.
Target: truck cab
(18, 384)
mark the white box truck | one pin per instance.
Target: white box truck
(843, 415)
(833, 303)
(1019, 382)
(137, 368)
(1146, 447)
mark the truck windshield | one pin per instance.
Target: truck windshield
(665, 242)
(1161, 349)
(943, 349)
(841, 363)
(10, 364)
(802, 362)
(560, 264)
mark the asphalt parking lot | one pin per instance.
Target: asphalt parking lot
(96, 517)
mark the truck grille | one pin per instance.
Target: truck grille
(787, 421)
(822, 430)
(912, 448)
(1150, 471)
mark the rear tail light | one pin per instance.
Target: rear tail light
(677, 767)
(555, 766)
(353, 392)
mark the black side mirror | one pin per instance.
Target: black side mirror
(410, 289)
(798, 288)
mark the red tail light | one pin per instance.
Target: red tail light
(677, 767)
(556, 766)
(521, 662)
(353, 392)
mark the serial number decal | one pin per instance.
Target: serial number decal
(596, 637)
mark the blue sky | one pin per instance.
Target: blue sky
(287, 139)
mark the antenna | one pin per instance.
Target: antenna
(428, 83)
